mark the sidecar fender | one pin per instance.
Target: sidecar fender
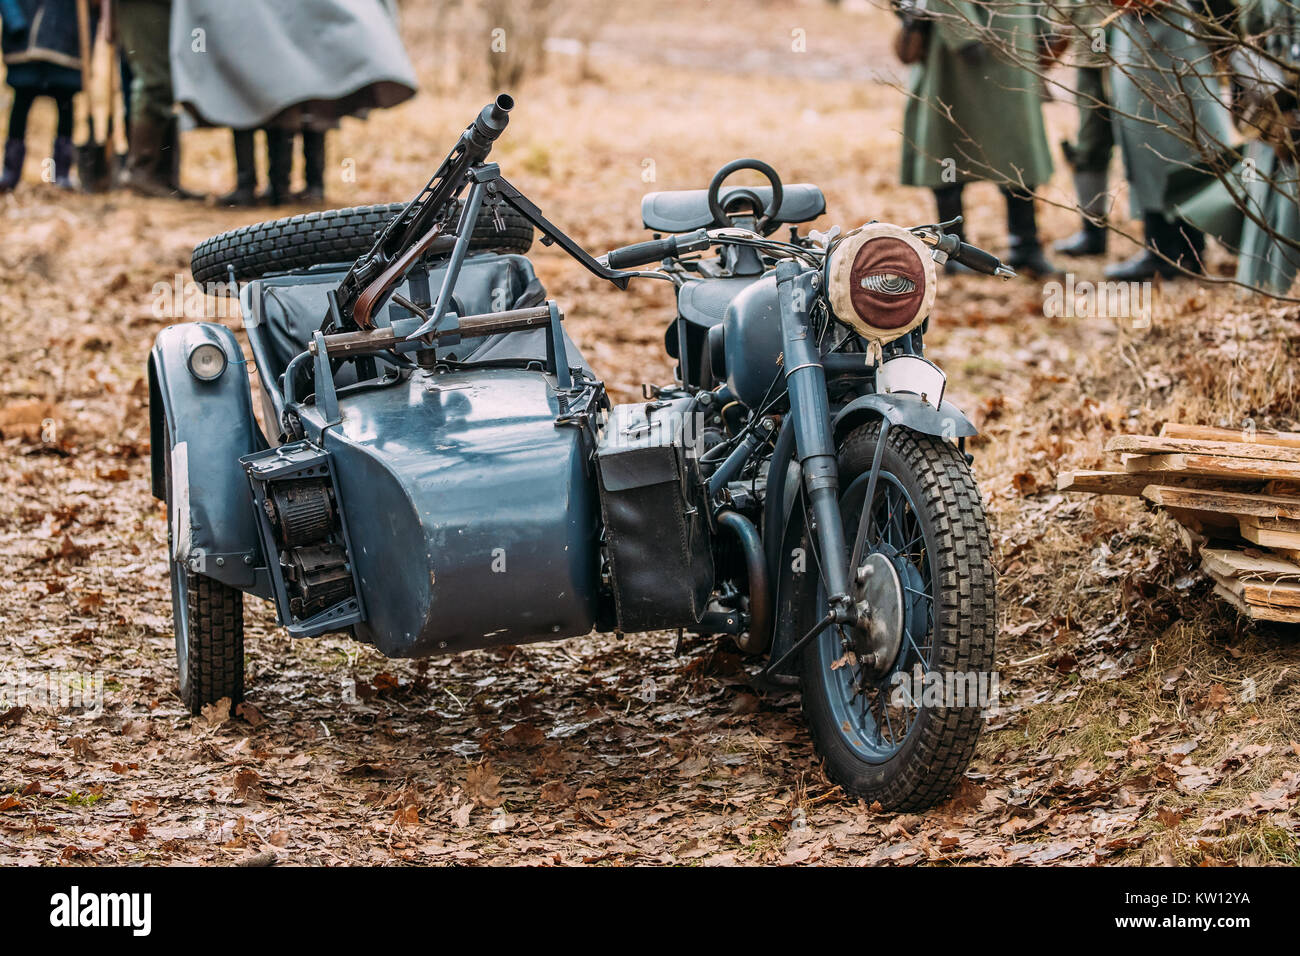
(903, 408)
(205, 427)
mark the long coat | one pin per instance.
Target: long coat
(41, 44)
(286, 62)
(996, 127)
(1165, 102)
(1255, 208)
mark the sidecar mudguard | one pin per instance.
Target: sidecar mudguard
(903, 408)
(471, 511)
(205, 427)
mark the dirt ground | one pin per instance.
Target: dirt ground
(1141, 720)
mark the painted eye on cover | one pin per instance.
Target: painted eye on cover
(888, 284)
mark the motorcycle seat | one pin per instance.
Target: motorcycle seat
(682, 210)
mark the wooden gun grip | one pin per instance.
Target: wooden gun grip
(374, 293)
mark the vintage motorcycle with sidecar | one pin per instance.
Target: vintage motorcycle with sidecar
(440, 470)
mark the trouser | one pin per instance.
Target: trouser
(24, 96)
(279, 160)
(144, 29)
(313, 154)
(1090, 153)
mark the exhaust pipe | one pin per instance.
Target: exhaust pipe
(756, 640)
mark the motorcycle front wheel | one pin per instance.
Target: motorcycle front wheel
(898, 726)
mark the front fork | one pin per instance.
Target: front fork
(805, 379)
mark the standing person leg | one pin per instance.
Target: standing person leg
(279, 164)
(63, 149)
(144, 28)
(127, 81)
(245, 193)
(1026, 251)
(15, 145)
(948, 203)
(313, 154)
(1090, 157)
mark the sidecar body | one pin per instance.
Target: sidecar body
(427, 509)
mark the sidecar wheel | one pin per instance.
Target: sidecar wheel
(336, 236)
(890, 729)
(208, 618)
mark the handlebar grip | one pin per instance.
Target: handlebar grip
(975, 258)
(491, 122)
(641, 253)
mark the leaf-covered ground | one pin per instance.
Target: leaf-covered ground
(1141, 721)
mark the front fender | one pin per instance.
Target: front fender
(206, 427)
(903, 408)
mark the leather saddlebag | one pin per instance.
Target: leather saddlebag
(654, 509)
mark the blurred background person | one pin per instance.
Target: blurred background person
(974, 112)
(1168, 116)
(42, 56)
(1254, 207)
(1089, 155)
(286, 66)
(153, 159)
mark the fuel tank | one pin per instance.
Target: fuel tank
(753, 341)
(472, 514)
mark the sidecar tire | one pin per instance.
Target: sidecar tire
(336, 236)
(208, 621)
(934, 754)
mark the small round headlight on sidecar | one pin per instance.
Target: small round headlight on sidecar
(207, 361)
(881, 281)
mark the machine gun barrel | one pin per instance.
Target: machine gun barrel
(491, 122)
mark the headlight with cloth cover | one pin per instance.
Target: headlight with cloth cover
(881, 281)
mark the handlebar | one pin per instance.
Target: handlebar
(974, 257)
(641, 253)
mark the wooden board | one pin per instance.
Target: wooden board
(1209, 433)
(1257, 531)
(1218, 466)
(1102, 482)
(1240, 564)
(1146, 445)
(1282, 614)
(1270, 594)
(1224, 502)
(1124, 483)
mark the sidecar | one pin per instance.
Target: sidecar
(429, 506)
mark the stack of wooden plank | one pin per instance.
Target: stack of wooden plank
(1236, 497)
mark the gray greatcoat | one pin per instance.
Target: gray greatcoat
(1166, 101)
(287, 62)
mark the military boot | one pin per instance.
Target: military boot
(63, 156)
(947, 200)
(1025, 252)
(15, 153)
(245, 192)
(1090, 240)
(1168, 246)
(313, 156)
(145, 174)
(279, 164)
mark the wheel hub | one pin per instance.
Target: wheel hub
(878, 596)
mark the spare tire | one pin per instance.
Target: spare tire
(336, 236)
